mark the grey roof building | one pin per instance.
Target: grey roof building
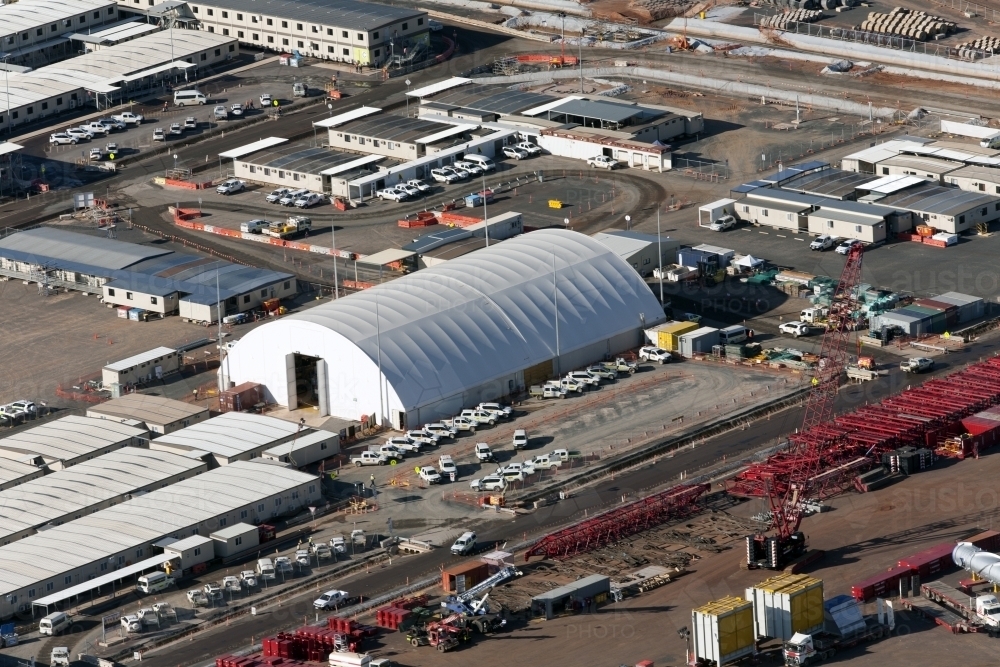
(42, 565)
(69, 441)
(361, 33)
(946, 208)
(159, 414)
(88, 487)
(833, 183)
(14, 472)
(148, 277)
(236, 436)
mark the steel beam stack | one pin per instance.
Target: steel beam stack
(854, 442)
(619, 523)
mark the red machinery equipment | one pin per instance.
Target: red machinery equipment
(794, 476)
(618, 523)
(443, 635)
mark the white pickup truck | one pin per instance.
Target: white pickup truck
(128, 118)
(461, 424)
(369, 459)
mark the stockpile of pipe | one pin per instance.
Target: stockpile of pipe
(915, 25)
(781, 21)
(977, 47)
(812, 4)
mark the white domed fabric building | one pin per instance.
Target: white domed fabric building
(478, 328)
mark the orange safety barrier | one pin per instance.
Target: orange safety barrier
(545, 58)
(458, 220)
(357, 284)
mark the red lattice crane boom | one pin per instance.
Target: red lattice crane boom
(787, 486)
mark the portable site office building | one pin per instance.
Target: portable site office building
(235, 539)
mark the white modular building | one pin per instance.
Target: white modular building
(65, 563)
(241, 436)
(14, 473)
(472, 329)
(68, 441)
(89, 487)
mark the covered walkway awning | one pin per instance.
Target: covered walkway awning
(253, 148)
(353, 164)
(434, 88)
(444, 134)
(347, 116)
(103, 580)
(387, 257)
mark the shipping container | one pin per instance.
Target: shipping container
(786, 604)
(722, 631)
(699, 341)
(969, 307)
(987, 541)
(241, 397)
(473, 571)
(725, 255)
(697, 259)
(931, 561)
(881, 584)
(666, 335)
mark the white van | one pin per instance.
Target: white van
(188, 98)
(991, 142)
(480, 161)
(265, 568)
(54, 624)
(153, 582)
(734, 334)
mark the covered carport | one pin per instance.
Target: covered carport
(95, 584)
(394, 259)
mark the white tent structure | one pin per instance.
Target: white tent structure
(749, 262)
(473, 329)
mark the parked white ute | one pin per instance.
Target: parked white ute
(444, 176)
(430, 475)
(423, 437)
(514, 153)
(419, 185)
(502, 411)
(488, 483)
(483, 452)
(447, 465)
(307, 200)
(249, 578)
(824, 242)
(158, 134)
(440, 430)
(393, 194)
(602, 162)
(230, 186)
(529, 148)
(657, 354)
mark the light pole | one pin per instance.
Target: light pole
(330, 107)
(486, 218)
(333, 247)
(407, 82)
(628, 219)
(659, 252)
(175, 162)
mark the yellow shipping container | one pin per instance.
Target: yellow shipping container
(786, 604)
(668, 334)
(723, 630)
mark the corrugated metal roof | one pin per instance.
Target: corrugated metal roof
(428, 242)
(496, 307)
(889, 184)
(176, 509)
(392, 128)
(231, 434)
(141, 358)
(48, 243)
(26, 15)
(147, 408)
(234, 531)
(340, 13)
(64, 495)
(69, 438)
(931, 164)
(11, 471)
(623, 245)
(347, 116)
(931, 198)
(608, 112)
(427, 91)
(247, 149)
(304, 441)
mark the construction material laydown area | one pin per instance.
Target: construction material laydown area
(349, 334)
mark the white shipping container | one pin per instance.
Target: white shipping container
(722, 631)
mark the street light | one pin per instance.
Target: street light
(566, 221)
(407, 82)
(628, 219)
(330, 107)
(175, 162)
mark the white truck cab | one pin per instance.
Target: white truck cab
(483, 452)
(464, 544)
(520, 439)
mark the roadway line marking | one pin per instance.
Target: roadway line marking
(800, 240)
(746, 230)
(763, 232)
(780, 236)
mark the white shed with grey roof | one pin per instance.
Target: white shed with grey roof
(41, 565)
(306, 449)
(68, 441)
(238, 436)
(235, 539)
(191, 551)
(142, 367)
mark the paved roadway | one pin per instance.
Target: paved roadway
(600, 496)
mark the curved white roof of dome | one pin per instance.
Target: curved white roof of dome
(455, 326)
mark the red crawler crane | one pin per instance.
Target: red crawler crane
(787, 486)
